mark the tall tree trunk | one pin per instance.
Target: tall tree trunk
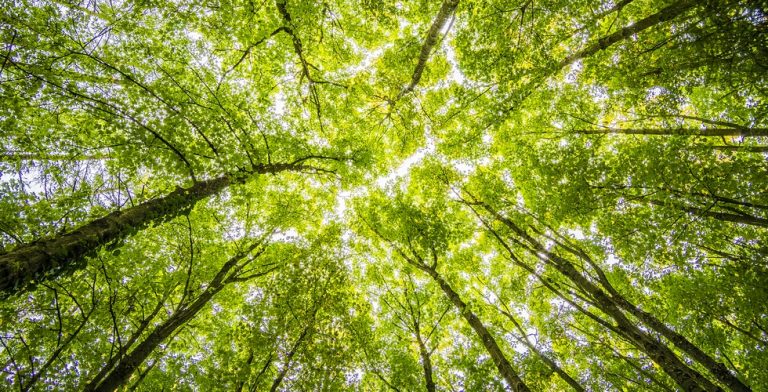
(665, 14)
(717, 369)
(551, 363)
(288, 358)
(502, 364)
(122, 350)
(426, 361)
(43, 259)
(446, 9)
(745, 219)
(717, 132)
(128, 364)
(125, 367)
(248, 362)
(686, 377)
(505, 368)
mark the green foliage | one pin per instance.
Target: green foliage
(510, 159)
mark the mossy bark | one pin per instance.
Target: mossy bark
(42, 259)
(47, 258)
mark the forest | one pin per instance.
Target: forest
(384, 195)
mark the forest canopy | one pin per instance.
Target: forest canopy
(369, 195)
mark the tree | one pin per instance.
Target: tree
(382, 195)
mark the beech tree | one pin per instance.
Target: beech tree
(377, 195)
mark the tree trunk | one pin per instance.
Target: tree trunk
(288, 358)
(43, 259)
(551, 363)
(125, 368)
(438, 24)
(122, 350)
(248, 362)
(665, 14)
(129, 363)
(686, 377)
(717, 369)
(717, 132)
(745, 219)
(426, 362)
(501, 362)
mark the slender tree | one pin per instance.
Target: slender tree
(46, 257)
(609, 301)
(229, 273)
(709, 132)
(489, 342)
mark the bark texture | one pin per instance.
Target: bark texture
(429, 43)
(665, 14)
(686, 377)
(505, 368)
(40, 259)
(128, 364)
(47, 258)
(732, 132)
(426, 361)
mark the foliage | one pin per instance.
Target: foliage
(416, 195)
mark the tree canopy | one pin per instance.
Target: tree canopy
(384, 195)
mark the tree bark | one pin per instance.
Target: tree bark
(128, 364)
(715, 132)
(665, 14)
(686, 377)
(745, 219)
(288, 358)
(125, 367)
(505, 368)
(426, 361)
(122, 350)
(43, 259)
(446, 9)
(717, 369)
